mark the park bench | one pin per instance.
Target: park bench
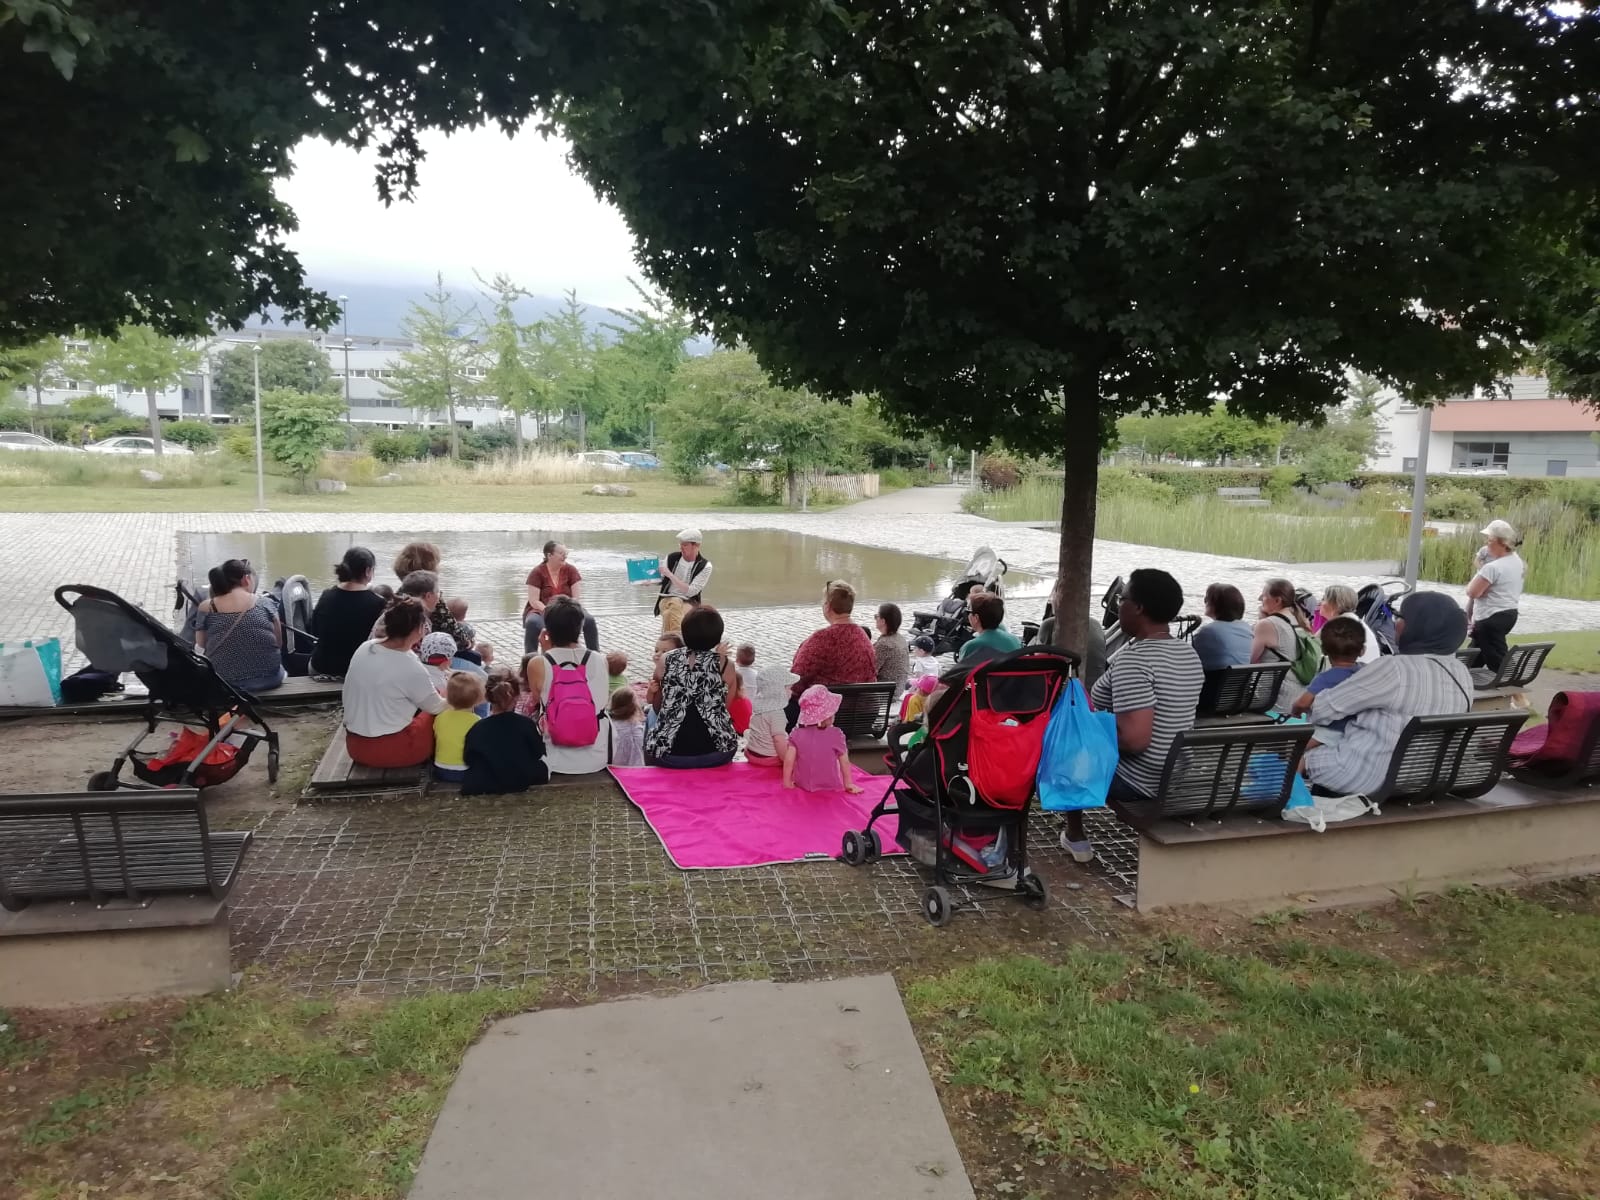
(338, 772)
(1247, 690)
(1219, 770)
(1460, 755)
(866, 710)
(1519, 668)
(1182, 628)
(101, 846)
(1249, 497)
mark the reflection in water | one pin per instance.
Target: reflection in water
(753, 567)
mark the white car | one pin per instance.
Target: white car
(136, 445)
(30, 441)
(605, 460)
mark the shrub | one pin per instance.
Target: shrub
(1455, 504)
(890, 478)
(750, 491)
(352, 467)
(1000, 470)
(1331, 464)
(197, 435)
(241, 443)
(1280, 484)
(1117, 483)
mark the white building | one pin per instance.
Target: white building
(1519, 430)
(369, 361)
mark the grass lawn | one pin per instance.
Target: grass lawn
(650, 496)
(1449, 1048)
(1577, 650)
(1446, 1047)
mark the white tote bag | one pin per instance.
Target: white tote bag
(26, 677)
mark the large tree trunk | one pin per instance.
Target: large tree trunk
(155, 419)
(1080, 462)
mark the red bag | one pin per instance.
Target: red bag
(1003, 757)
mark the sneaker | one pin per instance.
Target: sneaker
(1081, 851)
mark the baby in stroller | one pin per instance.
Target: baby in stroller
(948, 625)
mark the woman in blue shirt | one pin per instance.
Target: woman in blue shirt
(1224, 640)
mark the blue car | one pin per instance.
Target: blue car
(639, 460)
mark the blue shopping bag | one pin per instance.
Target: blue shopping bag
(1079, 755)
(1263, 779)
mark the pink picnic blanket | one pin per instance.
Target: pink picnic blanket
(741, 816)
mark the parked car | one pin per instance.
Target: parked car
(639, 460)
(136, 445)
(605, 460)
(31, 441)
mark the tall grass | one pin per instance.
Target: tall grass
(534, 467)
(1561, 546)
(106, 470)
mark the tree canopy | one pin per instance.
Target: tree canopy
(290, 364)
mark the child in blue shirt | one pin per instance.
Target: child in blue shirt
(1343, 640)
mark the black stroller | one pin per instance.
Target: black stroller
(1375, 605)
(1109, 605)
(948, 625)
(220, 726)
(292, 600)
(962, 794)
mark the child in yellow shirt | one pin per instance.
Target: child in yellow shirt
(463, 693)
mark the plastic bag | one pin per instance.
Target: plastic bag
(30, 673)
(1263, 780)
(1324, 810)
(1079, 755)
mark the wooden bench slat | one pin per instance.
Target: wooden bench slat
(337, 772)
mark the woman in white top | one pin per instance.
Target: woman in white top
(389, 697)
(563, 624)
(1274, 639)
(1494, 594)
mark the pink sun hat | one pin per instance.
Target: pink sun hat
(817, 704)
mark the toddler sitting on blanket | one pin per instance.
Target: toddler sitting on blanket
(627, 729)
(817, 758)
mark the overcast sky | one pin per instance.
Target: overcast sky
(484, 202)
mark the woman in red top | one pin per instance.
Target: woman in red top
(839, 652)
(553, 577)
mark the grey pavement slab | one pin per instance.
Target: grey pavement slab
(797, 1091)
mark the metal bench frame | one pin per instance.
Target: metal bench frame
(1246, 689)
(1519, 668)
(1231, 747)
(1440, 745)
(866, 710)
(85, 864)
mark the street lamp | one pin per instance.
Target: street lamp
(344, 317)
(261, 475)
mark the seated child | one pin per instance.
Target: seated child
(458, 609)
(916, 698)
(672, 610)
(665, 644)
(436, 650)
(504, 751)
(744, 662)
(485, 652)
(817, 758)
(627, 729)
(1343, 640)
(768, 738)
(922, 649)
(382, 591)
(463, 693)
(616, 669)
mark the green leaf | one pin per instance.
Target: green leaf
(1491, 1063)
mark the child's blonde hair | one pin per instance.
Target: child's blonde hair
(464, 689)
(624, 705)
(672, 610)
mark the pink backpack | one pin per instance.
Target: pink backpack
(569, 715)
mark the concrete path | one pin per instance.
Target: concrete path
(799, 1091)
(915, 501)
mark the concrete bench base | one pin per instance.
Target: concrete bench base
(1514, 834)
(1503, 699)
(64, 954)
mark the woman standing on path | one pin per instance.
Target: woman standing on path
(1494, 594)
(554, 576)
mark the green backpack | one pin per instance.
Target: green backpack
(1307, 660)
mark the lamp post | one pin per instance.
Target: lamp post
(1419, 495)
(344, 318)
(261, 476)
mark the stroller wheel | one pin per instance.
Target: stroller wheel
(272, 765)
(103, 781)
(1035, 892)
(937, 906)
(853, 848)
(874, 846)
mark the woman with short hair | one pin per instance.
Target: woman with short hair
(564, 621)
(839, 652)
(695, 681)
(1224, 640)
(1340, 600)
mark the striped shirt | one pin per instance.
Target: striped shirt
(1379, 700)
(1161, 673)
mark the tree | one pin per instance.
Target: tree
(442, 366)
(647, 350)
(36, 367)
(297, 427)
(510, 379)
(143, 360)
(1023, 220)
(575, 363)
(287, 364)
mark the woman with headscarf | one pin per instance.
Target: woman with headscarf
(1424, 679)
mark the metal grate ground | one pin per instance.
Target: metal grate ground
(571, 885)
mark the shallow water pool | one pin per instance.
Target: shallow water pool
(754, 568)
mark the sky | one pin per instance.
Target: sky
(484, 202)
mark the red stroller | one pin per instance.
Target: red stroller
(962, 793)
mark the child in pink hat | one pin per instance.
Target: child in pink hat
(816, 758)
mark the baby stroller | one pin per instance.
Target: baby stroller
(1109, 605)
(292, 600)
(962, 794)
(1375, 605)
(219, 726)
(948, 625)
